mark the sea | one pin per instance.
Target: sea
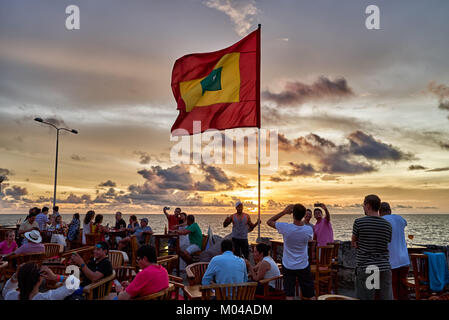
(425, 228)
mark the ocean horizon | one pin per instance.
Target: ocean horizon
(426, 228)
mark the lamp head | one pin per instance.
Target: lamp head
(2, 178)
(74, 131)
(38, 119)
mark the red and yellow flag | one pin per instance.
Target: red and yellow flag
(221, 89)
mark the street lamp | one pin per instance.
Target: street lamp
(57, 146)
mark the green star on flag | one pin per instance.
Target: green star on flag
(212, 82)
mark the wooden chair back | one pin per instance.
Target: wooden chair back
(86, 252)
(134, 247)
(148, 238)
(237, 291)
(204, 243)
(17, 260)
(324, 256)
(420, 265)
(311, 250)
(277, 294)
(335, 250)
(178, 283)
(116, 258)
(169, 262)
(100, 289)
(53, 249)
(335, 297)
(195, 272)
(161, 295)
(93, 238)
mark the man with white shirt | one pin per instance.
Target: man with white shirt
(399, 258)
(295, 259)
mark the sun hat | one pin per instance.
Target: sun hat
(238, 203)
(34, 236)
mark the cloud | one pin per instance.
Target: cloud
(176, 177)
(16, 192)
(108, 183)
(442, 93)
(77, 157)
(298, 170)
(145, 158)
(416, 167)
(5, 173)
(438, 169)
(365, 145)
(297, 93)
(241, 12)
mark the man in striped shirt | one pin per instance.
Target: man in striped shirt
(370, 236)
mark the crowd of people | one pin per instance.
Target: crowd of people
(378, 238)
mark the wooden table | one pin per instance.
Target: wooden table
(113, 233)
(194, 293)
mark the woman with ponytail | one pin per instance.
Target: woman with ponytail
(25, 283)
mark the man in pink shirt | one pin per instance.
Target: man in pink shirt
(323, 233)
(34, 244)
(151, 279)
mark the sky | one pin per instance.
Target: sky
(358, 111)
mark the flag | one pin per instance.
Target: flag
(221, 89)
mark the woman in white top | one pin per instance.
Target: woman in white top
(87, 223)
(265, 268)
(25, 286)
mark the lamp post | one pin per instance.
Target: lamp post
(57, 146)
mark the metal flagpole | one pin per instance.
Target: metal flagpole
(258, 184)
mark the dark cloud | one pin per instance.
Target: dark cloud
(16, 192)
(77, 157)
(145, 158)
(444, 145)
(365, 145)
(278, 179)
(296, 93)
(176, 177)
(438, 169)
(416, 167)
(5, 173)
(108, 183)
(442, 93)
(354, 157)
(300, 169)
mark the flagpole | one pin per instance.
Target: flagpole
(258, 128)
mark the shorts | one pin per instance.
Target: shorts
(193, 248)
(305, 280)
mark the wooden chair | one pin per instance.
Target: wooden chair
(161, 295)
(93, 238)
(169, 262)
(277, 294)
(335, 297)
(133, 254)
(334, 267)
(53, 249)
(100, 289)
(148, 238)
(179, 286)
(116, 258)
(311, 251)
(86, 252)
(16, 260)
(195, 272)
(419, 283)
(237, 291)
(323, 268)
